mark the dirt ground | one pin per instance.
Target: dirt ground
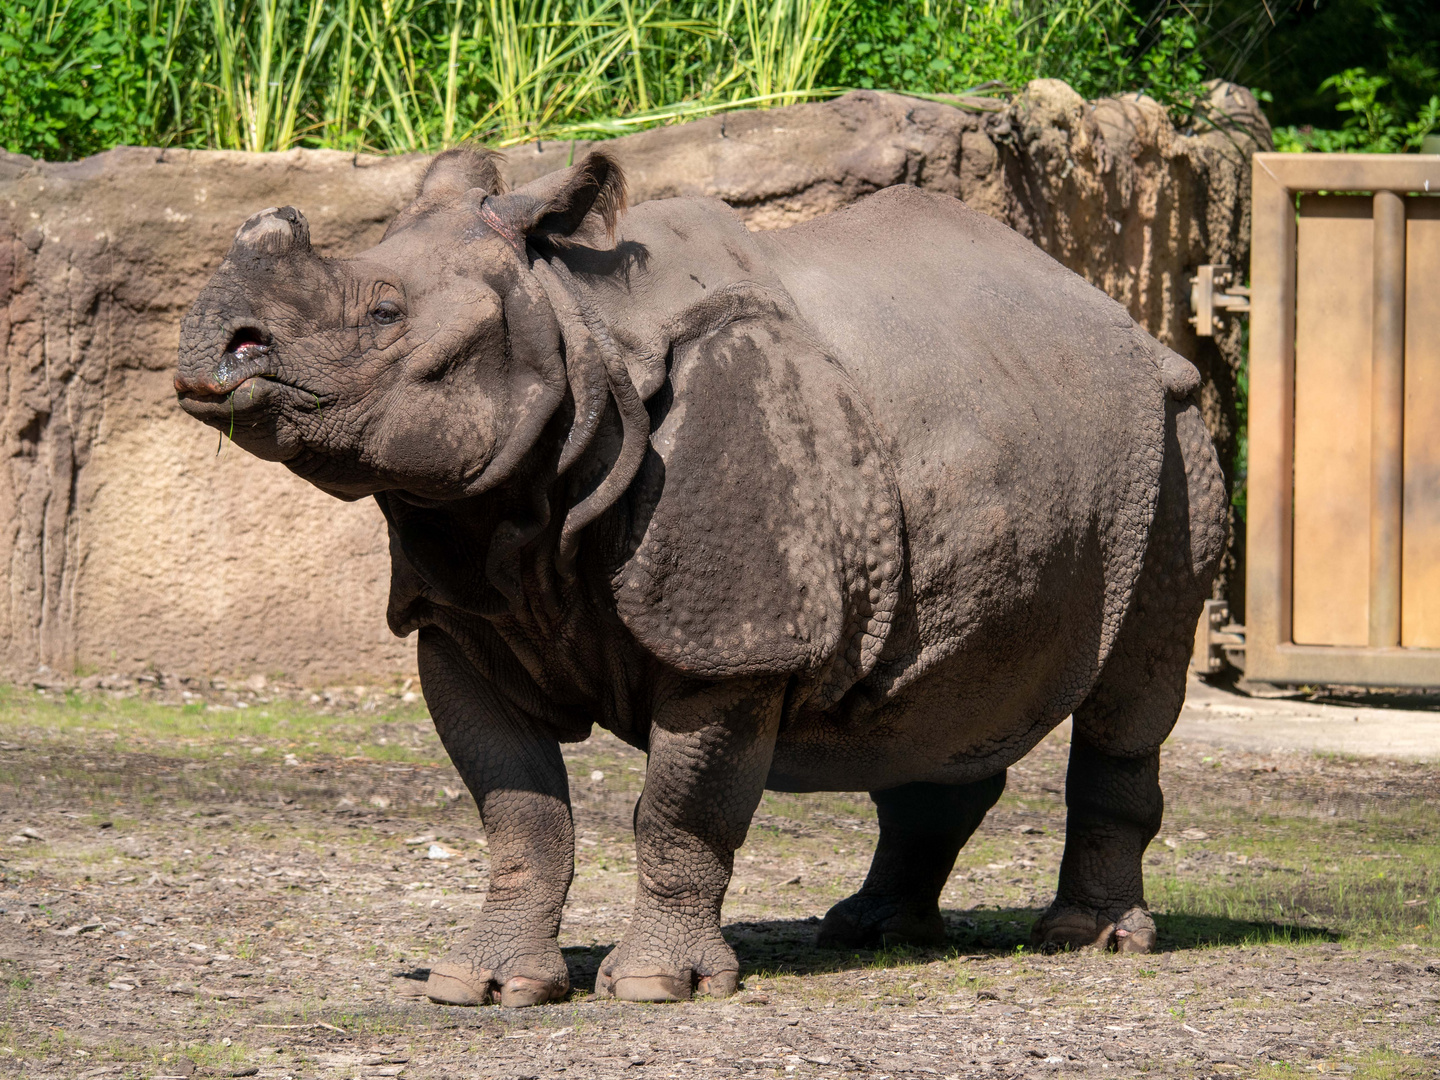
(192, 886)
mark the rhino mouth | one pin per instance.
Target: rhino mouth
(255, 412)
(245, 357)
(245, 379)
(251, 393)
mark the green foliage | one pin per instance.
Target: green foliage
(951, 46)
(264, 62)
(82, 75)
(1291, 51)
(79, 76)
(1374, 125)
(932, 48)
(1341, 75)
(390, 74)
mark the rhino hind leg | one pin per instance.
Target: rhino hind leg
(1115, 806)
(922, 829)
(1112, 789)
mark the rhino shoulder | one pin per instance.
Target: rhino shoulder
(772, 538)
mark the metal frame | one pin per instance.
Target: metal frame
(1270, 652)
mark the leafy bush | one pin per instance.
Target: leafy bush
(76, 76)
(949, 46)
(1373, 126)
(937, 48)
(1338, 74)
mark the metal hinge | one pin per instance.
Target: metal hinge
(1211, 292)
(1218, 641)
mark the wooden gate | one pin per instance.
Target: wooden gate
(1343, 511)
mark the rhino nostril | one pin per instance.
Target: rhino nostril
(247, 342)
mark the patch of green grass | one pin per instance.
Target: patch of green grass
(1377, 1065)
(1298, 879)
(402, 75)
(1386, 1064)
(397, 732)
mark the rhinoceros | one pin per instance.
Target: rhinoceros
(872, 503)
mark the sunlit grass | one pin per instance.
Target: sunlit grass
(1376, 1065)
(393, 732)
(412, 75)
(396, 75)
(1374, 882)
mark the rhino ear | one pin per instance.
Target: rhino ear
(449, 176)
(773, 541)
(556, 205)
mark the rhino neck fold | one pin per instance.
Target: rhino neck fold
(533, 557)
(656, 286)
(483, 569)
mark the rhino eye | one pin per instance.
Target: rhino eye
(386, 312)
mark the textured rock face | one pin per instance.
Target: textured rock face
(134, 544)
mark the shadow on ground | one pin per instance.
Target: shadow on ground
(787, 946)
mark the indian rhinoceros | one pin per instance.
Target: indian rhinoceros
(872, 503)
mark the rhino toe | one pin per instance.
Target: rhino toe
(452, 985)
(1130, 931)
(459, 984)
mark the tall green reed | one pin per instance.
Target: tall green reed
(264, 62)
(787, 43)
(511, 70)
(403, 75)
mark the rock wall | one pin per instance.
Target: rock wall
(137, 542)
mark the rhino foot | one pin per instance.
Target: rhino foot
(870, 920)
(1130, 930)
(634, 973)
(461, 979)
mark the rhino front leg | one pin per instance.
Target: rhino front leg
(710, 752)
(515, 771)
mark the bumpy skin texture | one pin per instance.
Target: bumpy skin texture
(1112, 790)
(870, 504)
(710, 750)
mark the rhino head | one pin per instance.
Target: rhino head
(428, 364)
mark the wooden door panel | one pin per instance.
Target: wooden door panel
(1330, 599)
(1420, 546)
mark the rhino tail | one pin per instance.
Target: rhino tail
(1179, 376)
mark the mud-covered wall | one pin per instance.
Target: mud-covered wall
(136, 541)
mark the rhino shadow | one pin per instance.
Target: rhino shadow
(772, 947)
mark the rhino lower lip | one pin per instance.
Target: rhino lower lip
(252, 393)
(226, 395)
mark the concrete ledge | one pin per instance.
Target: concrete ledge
(1223, 718)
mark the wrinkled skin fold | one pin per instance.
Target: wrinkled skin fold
(869, 504)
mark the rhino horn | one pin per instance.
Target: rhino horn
(275, 230)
